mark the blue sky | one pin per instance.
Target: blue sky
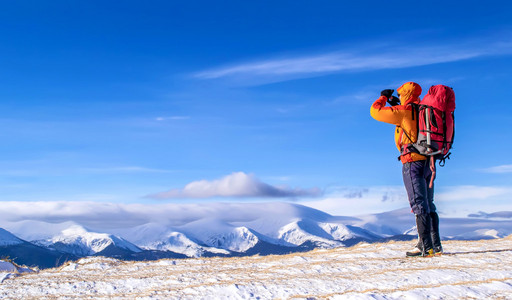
(246, 100)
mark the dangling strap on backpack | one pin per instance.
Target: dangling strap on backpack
(442, 160)
(432, 162)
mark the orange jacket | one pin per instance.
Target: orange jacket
(401, 115)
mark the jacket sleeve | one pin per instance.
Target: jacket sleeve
(391, 115)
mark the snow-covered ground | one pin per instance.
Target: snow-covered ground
(9, 269)
(470, 270)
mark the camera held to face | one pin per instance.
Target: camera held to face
(392, 100)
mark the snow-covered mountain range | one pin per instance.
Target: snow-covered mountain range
(264, 228)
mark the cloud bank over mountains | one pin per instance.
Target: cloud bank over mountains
(119, 215)
(238, 184)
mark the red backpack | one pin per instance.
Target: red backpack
(435, 120)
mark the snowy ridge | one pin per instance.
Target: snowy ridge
(79, 241)
(302, 231)
(239, 239)
(341, 232)
(219, 234)
(180, 243)
(8, 239)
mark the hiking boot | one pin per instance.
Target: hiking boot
(414, 252)
(428, 253)
(438, 251)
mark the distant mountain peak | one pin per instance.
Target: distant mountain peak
(77, 240)
(303, 231)
(238, 239)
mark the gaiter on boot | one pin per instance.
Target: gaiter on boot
(423, 224)
(436, 238)
(419, 245)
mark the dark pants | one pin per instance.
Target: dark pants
(417, 176)
(421, 198)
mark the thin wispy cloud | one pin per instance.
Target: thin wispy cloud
(499, 169)
(362, 96)
(238, 184)
(126, 169)
(391, 57)
(172, 118)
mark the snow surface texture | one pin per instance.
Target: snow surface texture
(11, 270)
(470, 270)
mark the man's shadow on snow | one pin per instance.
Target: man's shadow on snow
(482, 251)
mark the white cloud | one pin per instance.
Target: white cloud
(238, 184)
(391, 57)
(499, 169)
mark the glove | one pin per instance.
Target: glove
(387, 93)
(394, 101)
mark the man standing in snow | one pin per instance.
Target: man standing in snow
(415, 170)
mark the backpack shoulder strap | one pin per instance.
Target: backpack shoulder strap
(415, 109)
